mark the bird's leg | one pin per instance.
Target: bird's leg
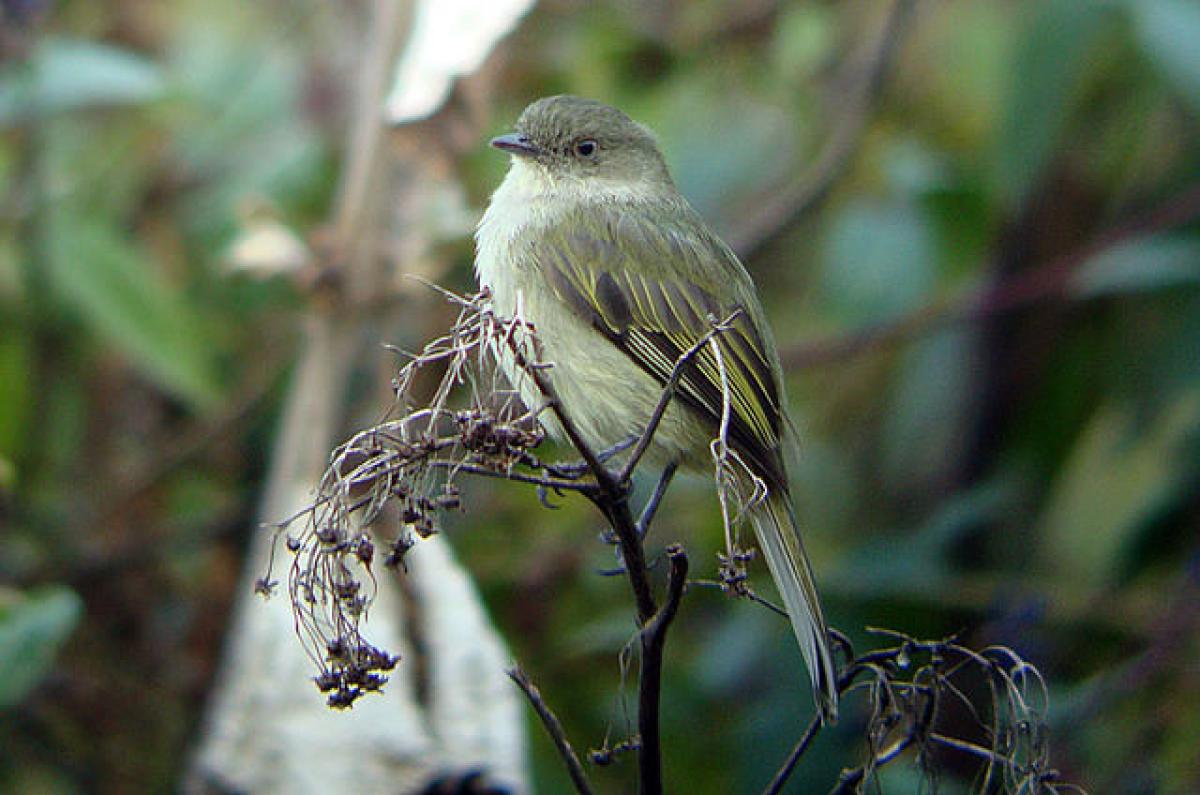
(574, 470)
(651, 507)
(619, 570)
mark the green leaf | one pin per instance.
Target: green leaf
(1169, 34)
(113, 286)
(240, 122)
(1142, 264)
(1048, 67)
(1117, 477)
(878, 261)
(32, 630)
(967, 48)
(66, 74)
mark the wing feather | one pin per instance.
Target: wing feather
(654, 313)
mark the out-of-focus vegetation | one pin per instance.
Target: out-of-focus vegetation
(991, 322)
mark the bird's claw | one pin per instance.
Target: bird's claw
(543, 495)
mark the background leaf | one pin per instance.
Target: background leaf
(1118, 475)
(1141, 264)
(74, 74)
(1168, 31)
(114, 287)
(1050, 62)
(33, 628)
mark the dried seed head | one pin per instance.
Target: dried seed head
(407, 462)
(364, 550)
(330, 536)
(336, 649)
(326, 681)
(399, 549)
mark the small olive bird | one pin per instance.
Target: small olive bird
(589, 241)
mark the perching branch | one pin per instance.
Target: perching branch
(612, 494)
(410, 462)
(612, 499)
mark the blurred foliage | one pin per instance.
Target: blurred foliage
(992, 322)
(32, 628)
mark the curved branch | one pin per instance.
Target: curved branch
(1048, 282)
(865, 73)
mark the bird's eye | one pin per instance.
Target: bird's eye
(585, 148)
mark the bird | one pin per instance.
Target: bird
(589, 241)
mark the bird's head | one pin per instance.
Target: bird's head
(570, 139)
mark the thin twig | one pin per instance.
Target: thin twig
(789, 765)
(970, 748)
(612, 498)
(668, 393)
(749, 594)
(558, 484)
(907, 681)
(605, 479)
(650, 509)
(577, 469)
(850, 779)
(554, 728)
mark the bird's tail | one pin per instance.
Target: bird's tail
(779, 539)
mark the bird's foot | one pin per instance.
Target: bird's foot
(574, 470)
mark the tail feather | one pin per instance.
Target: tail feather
(779, 539)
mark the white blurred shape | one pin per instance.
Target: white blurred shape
(449, 39)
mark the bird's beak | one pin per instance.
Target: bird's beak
(516, 144)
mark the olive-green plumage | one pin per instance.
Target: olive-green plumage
(588, 239)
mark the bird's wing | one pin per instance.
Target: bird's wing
(627, 278)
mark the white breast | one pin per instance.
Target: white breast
(515, 206)
(605, 393)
